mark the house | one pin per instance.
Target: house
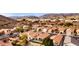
(39, 29)
(50, 30)
(5, 42)
(61, 19)
(31, 34)
(37, 36)
(77, 31)
(44, 30)
(43, 36)
(45, 19)
(70, 31)
(61, 30)
(57, 39)
(13, 30)
(2, 32)
(13, 39)
(70, 21)
(19, 19)
(55, 29)
(25, 27)
(68, 38)
(6, 31)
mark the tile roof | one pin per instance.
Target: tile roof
(77, 30)
(57, 38)
(15, 38)
(31, 34)
(6, 31)
(61, 29)
(37, 34)
(2, 32)
(7, 43)
(43, 35)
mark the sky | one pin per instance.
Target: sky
(22, 14)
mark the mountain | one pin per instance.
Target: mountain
(53, 15)
(48, 15)
(33, 17)
(19, 17)
(6, 22)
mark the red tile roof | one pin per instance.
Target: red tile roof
(43, 35)
(77, 30)
(57, 38)
(61, 29)
(2, 32)
(2, 43)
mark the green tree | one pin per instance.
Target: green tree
(61, 24)
(23, 19)
(48, 42)
(19, 29)
(68, 24)
(22, 41)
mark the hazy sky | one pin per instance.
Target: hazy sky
(22, 14)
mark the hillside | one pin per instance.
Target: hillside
(49, 15)
(6, 22)
(55, 15)
(19, 17)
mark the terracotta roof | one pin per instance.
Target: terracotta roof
(6, 31)
(52, 37)
(54, 28)
(32, 34)
(16, 38)
(61, 29)
(37, 34)
(43, 35)
(13, 30)
(77, 30)
(50, 30)
(2, 32)
(57, 38)
(2, 43)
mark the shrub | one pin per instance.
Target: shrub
(61, 24)
(68, 24)
(23, 19)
